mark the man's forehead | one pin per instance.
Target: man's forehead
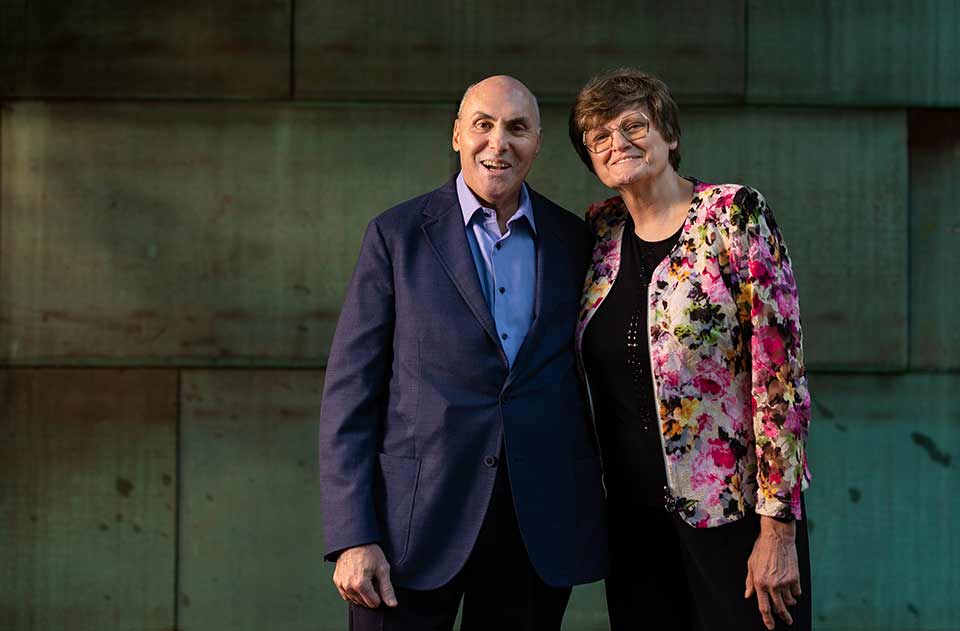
(511, 115)
(500, 97)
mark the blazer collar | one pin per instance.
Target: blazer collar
(444, 230)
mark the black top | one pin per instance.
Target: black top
(617, 360)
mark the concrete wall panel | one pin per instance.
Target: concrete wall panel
(87, 499)
(251, 553)
(883, 452)
(152, 49)
(934, 240)
(195, 233)
(837, 181)
(854, 53)
(427, 50)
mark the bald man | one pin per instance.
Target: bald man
(457, 460)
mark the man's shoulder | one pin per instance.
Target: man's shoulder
(410, 212)
(564, 219)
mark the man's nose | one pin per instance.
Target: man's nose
(497, 138)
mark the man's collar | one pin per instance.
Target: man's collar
(469, 204)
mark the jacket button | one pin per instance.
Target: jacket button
(490, 461)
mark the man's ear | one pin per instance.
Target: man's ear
(456, 135)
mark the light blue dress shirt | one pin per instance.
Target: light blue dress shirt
(506, 264)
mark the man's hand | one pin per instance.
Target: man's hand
(772, 570)
(360, 572)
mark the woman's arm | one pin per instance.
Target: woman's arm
(770, 314)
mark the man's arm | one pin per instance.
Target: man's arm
(354, 394)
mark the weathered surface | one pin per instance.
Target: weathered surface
(251, 547)
(885, 456)
(152, 49)
(837, 181)
(934, 240)
(87, 493)
(195, 233)
(425, 50)
(884, 52)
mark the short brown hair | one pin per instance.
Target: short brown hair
(610, 93)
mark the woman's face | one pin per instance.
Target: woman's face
(627, 162)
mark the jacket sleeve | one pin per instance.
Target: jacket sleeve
(769, 311)
(354, 395)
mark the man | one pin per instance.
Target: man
(456, 458)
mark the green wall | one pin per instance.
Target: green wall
(183, 186)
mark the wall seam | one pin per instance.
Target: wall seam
(177, 512)
(746, 53)
(908, 202)
(293, 49)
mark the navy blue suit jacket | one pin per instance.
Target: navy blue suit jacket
(419, 396)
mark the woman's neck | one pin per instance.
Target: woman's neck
(658, 206)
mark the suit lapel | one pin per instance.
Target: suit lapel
(550, 271)
(444, 231)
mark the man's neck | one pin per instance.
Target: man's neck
(505, 208)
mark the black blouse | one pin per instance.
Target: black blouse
(617, 360)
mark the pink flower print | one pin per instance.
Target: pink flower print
(704, 422)
(722, 454)
(786, 305)
(770, 428)
(714, 371)
(724, 201)
(705, 385)
(795, 421)
(714, 288)
(759, 272)
(772, 346)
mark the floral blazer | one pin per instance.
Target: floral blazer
(725, 352)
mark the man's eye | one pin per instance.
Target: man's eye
(483, 125)
(518, 129)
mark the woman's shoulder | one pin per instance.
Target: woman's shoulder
(728, 203)
(603, 215)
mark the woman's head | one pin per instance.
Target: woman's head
(607, 97)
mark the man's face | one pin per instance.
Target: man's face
(497, 135)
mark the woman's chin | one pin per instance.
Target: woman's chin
(626, 180)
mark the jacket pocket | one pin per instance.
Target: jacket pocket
(394, 490)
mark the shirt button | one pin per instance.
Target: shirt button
(498, 246)
(503, 336)
(503, 289)
(490, 461)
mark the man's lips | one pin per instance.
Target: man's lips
(495, 165)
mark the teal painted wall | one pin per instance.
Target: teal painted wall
(183, 186)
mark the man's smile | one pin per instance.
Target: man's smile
(495, 165)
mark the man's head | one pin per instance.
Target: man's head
(497, 134)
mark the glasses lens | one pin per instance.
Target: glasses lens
(634, 128)
(598, 140)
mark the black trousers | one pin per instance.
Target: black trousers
(668, 575)
(499, 587)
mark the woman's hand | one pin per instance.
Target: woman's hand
(772, 570)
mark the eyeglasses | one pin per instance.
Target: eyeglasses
(632, 127)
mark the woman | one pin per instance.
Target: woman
(689, 338)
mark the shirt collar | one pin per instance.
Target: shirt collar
(469, 204)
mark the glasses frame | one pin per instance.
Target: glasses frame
(618, 128)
